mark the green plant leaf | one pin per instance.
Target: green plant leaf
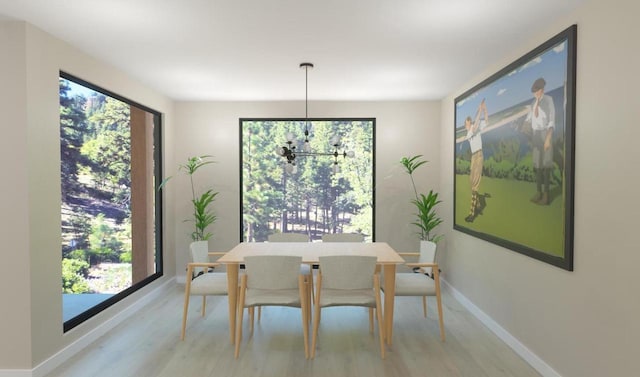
(203, 216)
(426, 218)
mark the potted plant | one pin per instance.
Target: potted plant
(203, 215)
(426, 217)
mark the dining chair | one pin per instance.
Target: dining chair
(347, 280)
(202, 279)
(420, 283)
(288, 237)
(305, 269)
(343, 237)
(273, 280)
(347, 237)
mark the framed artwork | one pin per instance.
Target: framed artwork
(514, 154)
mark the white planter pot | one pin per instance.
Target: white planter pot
(427, 254)
(199, 254)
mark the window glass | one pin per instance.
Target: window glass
(313, 197)
(110, 210)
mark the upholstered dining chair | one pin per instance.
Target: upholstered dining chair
(201, 279)
(342, 237)
(348, 237)
(287, 237)
(347, 280)
(420, 283)
(273, 280)
(305, 269)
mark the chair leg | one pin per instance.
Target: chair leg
(184, 313)
(187, 293)
(251, 312)
(381, 335)
(259, 312)
(424, 306)
(304, 311)
(240, 312)
(316, 317)
(204, 304)
(371, 320)
(440, 318)
(436, 278)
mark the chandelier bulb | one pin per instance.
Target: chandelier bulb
(289, 136)
(351, 154)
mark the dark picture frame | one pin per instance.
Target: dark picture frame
(514, 154)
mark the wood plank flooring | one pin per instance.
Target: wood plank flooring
(148, 344)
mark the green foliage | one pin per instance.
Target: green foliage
(203, 215)
(463, 166)
(497, 169)
(523, 171)
(73, 276)
(507, 149)
(103, 245)
(125, 257)
(95, 180)
(72, 125)
(79, 254)
(426, 217)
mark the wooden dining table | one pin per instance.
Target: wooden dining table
(388, 258)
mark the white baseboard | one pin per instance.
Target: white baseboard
(15, 373)
(66, 353)
(537, 363)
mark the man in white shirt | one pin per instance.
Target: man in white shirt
(474, 131)
(542, 118)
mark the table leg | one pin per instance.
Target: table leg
(389, 299)
(232, 291)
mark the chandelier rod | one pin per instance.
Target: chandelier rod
(306, 67)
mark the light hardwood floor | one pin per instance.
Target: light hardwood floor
(148, 344)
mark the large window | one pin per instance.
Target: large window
(111, 212)
(314, 199)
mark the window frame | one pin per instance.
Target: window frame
(302, 120)
(158, 206)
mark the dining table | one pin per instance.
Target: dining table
(388, 259)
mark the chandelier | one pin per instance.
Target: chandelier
(290, 152)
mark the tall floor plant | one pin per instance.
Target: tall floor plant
(426, 217)
(203, 215)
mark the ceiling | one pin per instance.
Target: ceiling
(202, 50)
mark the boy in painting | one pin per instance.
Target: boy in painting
(475, 142)
(542, 117)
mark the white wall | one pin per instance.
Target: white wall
(30, 274)
(585, 322)
(13, 209)
(402, 128)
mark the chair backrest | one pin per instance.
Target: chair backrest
(427, 255)
(347, 271)
(343, 237)
(199, 254)
(272, 271)
(288, 237)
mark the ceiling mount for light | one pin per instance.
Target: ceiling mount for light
(289, 150)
